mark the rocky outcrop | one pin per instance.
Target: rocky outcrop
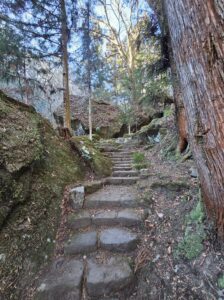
(105, 117)
(35, 167)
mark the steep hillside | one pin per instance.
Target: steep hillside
(35, 167)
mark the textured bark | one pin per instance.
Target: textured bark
(196, 29)
(168, 61)
(64, 44)
(179, 108)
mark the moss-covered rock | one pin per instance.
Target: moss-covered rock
(35, 167)
(100, 164)
(152, 129)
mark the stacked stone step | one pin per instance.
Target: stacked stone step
(122, 168)
(100, 222)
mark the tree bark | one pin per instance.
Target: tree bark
(64, 44)
(88, 5)
(196, 30)
(168, 61)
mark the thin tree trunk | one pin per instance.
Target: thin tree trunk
(64, 41)
(196, 29)
(129, 129)
(88, 4)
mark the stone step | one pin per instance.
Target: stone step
(122, 180)
(118, 240)
(122, 159)
(110, 196)
(125, 173)
(112, 239)
(121, 155)
(125, 217)
(122, 165)
(81, 243)
(62, 282)
(129, 168)
(108, 277)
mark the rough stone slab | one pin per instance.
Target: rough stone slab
(129, 217)
(105, 218)
(77, 196)
(122, 160)
(125, 173)
(121, 165)
(79, 220)
(122, 180)
(113, 196)
(63, 282)
(119, 240)
(107, 278)
(93, 186)
(82, 243)
(144, 173)
(129, 168)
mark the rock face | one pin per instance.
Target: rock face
(105, 117)
(35, 167)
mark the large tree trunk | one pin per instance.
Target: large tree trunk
(64, 42)
(168, 61)
(179, 108)
(196, 29)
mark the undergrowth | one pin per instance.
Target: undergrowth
(192, 243)
(139, 160)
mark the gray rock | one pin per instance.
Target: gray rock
(63, 282)
(105, 218)
(79, 220)
(77, 196)
(107, 278)
(82, 243)
(129, 217)
(119, 240)
(123, 196)
(144, 173)
(194, 172)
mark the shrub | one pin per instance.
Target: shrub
(139, 160)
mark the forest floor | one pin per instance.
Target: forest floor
(181, 257)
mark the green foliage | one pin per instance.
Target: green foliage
(127, 115)
(221, 282)
(157, 89)
(139, 160)
(138, 157)
(192, 244)
(167, 111)
(11, 53)
(197, 214)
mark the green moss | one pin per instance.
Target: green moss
(99, 163)
(139, 160)
(168, 111)
(192, 244)
(36, 165)
(174, 186)
(221, 282)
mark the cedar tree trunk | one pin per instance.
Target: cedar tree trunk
(196, 30)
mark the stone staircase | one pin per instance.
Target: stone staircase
(105, 232)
